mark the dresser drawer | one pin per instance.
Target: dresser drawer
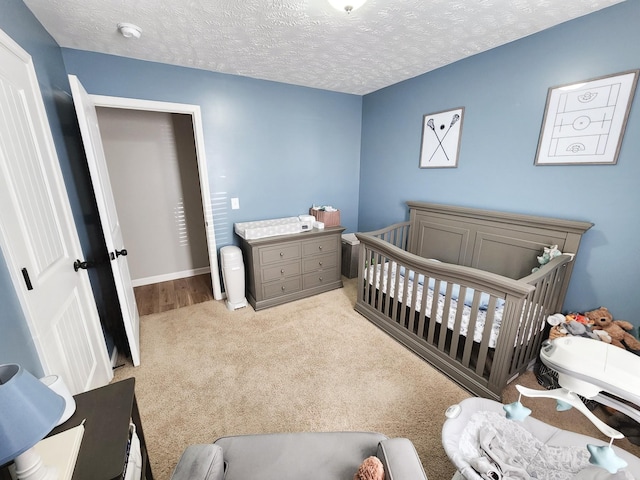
(319, 262)
(286, 251)
(277, 289)
(316, 279)
(285, 268)
(281, 271)
(321, 245)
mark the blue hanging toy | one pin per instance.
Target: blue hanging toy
(604, 456)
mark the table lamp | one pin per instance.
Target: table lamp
(28, 412)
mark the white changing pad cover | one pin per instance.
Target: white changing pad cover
(268, 228)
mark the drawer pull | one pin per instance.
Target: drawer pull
(282, 270)
(282, 287)
(320, 263)
(319, 247)
(282, 254)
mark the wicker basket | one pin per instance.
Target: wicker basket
(549, 379)
(330, 219)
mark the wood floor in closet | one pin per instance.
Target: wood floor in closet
(160, 297)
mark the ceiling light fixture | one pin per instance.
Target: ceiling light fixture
(347, 5)
(129, 30)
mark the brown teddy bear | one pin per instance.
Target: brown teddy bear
(370, 469)
(603, 320)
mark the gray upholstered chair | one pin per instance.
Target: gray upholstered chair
(297, 456)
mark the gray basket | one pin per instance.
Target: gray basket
(549, 379)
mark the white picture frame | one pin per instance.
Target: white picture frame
(584, 122)
(441, 134)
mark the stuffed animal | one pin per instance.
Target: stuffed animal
(578, 318)
(617, 329)
(370, 469)
(548, 254)
(572, 324)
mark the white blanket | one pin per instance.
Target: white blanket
(492, 443)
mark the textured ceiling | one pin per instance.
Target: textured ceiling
(305, 42)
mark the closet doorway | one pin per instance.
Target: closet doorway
(158, 175)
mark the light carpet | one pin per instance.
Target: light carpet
(310, 365)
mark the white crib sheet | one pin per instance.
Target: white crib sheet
(388, 286)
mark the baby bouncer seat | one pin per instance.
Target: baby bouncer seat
(487, 440)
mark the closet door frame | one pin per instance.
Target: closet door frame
(198, 133)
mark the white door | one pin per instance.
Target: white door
(88, 121)
(38, 236)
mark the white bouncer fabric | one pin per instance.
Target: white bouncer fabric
(569, 449)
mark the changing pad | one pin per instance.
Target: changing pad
(268, 228)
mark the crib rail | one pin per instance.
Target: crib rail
(396, 234)
(545, 300)
(463, 343)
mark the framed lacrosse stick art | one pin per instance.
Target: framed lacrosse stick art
(441, 132)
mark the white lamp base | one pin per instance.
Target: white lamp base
(29, 466)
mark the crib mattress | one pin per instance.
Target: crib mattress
(388, 285)
(268, 228)
(386, 282)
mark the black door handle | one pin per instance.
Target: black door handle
(77, 265)
(27, 280)
(122, 252)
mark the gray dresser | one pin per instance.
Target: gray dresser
(289, 267)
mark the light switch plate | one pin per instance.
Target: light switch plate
(235, 203)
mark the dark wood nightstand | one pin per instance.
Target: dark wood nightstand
(107, 411)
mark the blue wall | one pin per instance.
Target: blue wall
(278, 148)
(504, 92)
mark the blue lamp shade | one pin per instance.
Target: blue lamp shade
(28, 411)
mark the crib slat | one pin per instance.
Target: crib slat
(434, 313)
(453, 349)
(550, 287)
(468, 345)
(370, 282)
(423, 310)
(396, 285)
(404, 298)
(527, 313)
(535, 312)
(534, 320)
(445, 315)
(414, 296)
(486, 334)
(386, 306)
(375, 264)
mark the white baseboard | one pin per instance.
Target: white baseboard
(138, 282)
(114, 357)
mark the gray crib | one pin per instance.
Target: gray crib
(454, 284)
